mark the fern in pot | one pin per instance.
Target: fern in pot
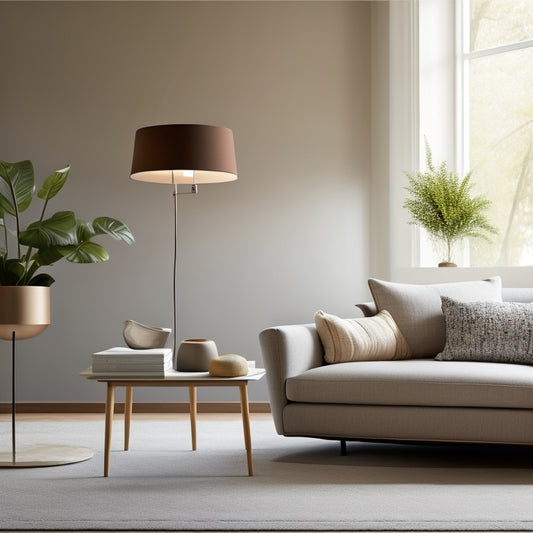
(442, 203)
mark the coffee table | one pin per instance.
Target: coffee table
(173, 378)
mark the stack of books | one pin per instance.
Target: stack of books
(127, 362)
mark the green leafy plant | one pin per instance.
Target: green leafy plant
(442, 203)
(44, 242)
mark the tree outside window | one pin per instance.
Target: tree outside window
(498, 119)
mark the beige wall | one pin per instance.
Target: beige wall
(292, 79)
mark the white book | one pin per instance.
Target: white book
(121, 366)
(126, 359)
(120, 351)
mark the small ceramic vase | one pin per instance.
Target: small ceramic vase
(141, 337)
(194, 355)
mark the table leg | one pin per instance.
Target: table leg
(193, 414)
(109, 411)
(245, 411)
(127, 417)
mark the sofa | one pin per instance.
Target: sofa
(459, 375)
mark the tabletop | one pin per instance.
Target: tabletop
(254, 374)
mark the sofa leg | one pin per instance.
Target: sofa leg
(343, 446)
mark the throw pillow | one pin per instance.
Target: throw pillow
(360, 339)
(488, 331)
(417, 310)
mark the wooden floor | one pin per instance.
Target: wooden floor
(80, 417)
(149, 416)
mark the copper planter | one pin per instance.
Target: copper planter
(24, 310)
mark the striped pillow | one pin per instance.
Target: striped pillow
(374, 338)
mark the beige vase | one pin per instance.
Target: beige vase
(24, 310)
(195, 355)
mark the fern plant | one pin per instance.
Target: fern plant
(442, 203)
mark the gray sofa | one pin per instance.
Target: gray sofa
(416, 399)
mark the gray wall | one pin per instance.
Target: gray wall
(292, 79)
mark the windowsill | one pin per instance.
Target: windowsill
(512, 276)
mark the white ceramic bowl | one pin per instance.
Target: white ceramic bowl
(142, 337)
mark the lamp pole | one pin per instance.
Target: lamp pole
(175, 193)
(13, 404)
(174, 273)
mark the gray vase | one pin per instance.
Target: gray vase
(194, 355)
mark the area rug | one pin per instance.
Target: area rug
(299, 483)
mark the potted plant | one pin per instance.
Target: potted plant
(24, 251)
(442, 203)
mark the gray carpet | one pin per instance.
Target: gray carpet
(299, 484)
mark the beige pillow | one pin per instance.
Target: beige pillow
(375, 338)
(417, 308)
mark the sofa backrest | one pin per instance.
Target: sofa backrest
(417, 311)
(517, 294)
(509, 294)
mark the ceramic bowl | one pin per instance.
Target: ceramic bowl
(142, 337)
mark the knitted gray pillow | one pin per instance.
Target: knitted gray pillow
(500, 332)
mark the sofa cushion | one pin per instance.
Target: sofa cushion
(360, 339)
(416, 382)
(488, 331)
(417, 308)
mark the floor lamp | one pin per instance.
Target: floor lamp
(183, 154)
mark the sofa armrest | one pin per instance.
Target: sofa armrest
(368, 308)
(288, 351)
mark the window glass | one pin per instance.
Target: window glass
(499, 22)
(501, 153)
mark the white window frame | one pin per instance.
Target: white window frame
(404, 260)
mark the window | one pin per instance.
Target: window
(496, 64)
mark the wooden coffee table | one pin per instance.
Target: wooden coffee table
(173, 378)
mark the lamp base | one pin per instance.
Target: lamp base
(45, 455)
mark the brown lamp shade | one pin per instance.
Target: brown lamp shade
(173, 153)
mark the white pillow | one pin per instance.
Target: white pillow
(374, 338)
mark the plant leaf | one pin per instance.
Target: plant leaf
(42, 280)
(58, 230)
(84, 231)
(84, 252)
(114, 228)
(16, 186)
(47, 256)
(53, 184)
(11, 272)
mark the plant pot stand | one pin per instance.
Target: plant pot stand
(38, 454)
(45, 455)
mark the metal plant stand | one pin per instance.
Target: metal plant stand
(38, 454)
